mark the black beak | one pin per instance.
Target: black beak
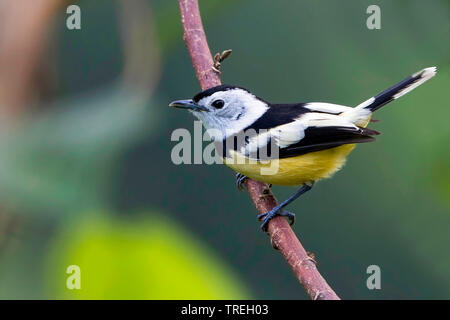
(187, 104)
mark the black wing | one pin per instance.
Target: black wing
(316, 138)
(321, 138)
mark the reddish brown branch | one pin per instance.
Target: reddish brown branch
(281, 234)
(25, 29)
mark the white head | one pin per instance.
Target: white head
(228, 109)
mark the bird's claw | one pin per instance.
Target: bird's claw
(240, 179)
(269, 215)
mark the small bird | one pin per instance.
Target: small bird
(301, 142)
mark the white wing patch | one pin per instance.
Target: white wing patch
(293, 132)
(326, 107)
(357, 115)
(288, 134)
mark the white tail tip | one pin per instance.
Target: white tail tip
(426, 73)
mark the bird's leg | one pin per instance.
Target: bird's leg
(240, 179)
(279, 211)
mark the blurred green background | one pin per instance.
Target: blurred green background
(86, 176)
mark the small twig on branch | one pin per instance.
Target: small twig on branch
(281, 234)
(218, 59)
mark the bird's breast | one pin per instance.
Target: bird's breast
(291, 171)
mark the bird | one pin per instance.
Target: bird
(290, 144)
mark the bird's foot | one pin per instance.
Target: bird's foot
(277, 211)
(240, 179)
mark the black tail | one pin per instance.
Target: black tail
(398, 90)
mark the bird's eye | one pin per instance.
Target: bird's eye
(218, 104)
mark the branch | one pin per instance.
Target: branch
(24, 38)
(281, 234)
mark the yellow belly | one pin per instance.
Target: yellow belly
(295, 170)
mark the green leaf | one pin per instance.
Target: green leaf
(145, 258)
